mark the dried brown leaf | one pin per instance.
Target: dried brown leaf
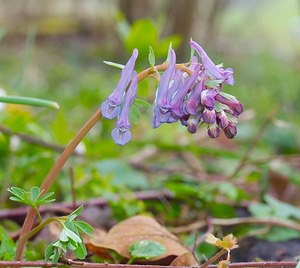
(136, 228)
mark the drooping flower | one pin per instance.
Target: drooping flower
(193, 97)
(177, 102)
(122, 134)
(226, 76)
(112, 106)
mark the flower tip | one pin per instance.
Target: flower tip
(108, 110)
(121, 137)
(135, 53)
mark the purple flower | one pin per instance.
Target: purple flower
(111, 107)
(192, 105)
(226, 76)
(233, 104)
(222, 119)
(213, 131)
(209, 116)
(230, 131)
(178, 99)
(166, 88)
(193, 122)
(121, 134)
(208, 98)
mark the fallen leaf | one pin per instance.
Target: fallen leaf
(127, 232)
(186, 259)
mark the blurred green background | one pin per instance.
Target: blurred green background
(55, 50)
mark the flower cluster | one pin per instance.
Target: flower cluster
(189, 93)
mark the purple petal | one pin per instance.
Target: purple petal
(215, 71)
(192, 105)
(230, 131)
(193, 122)
(209, 116)
(123, 120)
(177, 101)
(163, 87)
(110, 110)
(208, 98)
(222, 119)
(121, 137)
(213, 131)
(233, 104)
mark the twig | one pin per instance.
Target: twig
(66, 207)
(51, 176)
(71, 263)
(253, 143)
(214, 258)
(235, 221)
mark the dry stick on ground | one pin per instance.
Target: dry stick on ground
(235, 221)
(66, 207)
(254, 142)
(70, 263)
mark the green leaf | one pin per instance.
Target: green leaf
(146, 249)
(277, 234)
(44, 199)
(76, 212)
(16, 199)
(298, 264)
(213, 83)
(29, 101)
(80, 251)
(63, 235)
(49, 251)
(134, 114)
(283, 210)
(19, 192)
(84, 227)
(138, 29)
(7, 246)
(72, 235)
(34, 194)
(114, 64)
(260, 210)
(142, 103)
(55, 257)
(151, 56)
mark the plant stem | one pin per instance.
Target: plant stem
(51, 176)
(36, 229)
(59, 164)
(214, 258)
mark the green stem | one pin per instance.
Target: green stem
(36, 229)
(51, 176)
(59, 164)
(38, 214)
